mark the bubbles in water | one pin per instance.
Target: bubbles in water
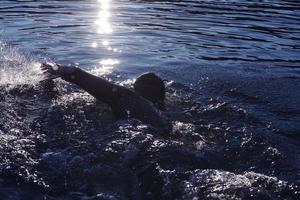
(17, 68)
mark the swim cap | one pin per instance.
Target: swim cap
(151, 87)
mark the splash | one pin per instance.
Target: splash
(17, 68)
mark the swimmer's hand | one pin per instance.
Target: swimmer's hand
(50, 70)
(53, 70)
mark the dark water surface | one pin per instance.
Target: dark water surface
(233, 71)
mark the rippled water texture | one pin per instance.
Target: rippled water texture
(233, 80)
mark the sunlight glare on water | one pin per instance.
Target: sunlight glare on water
(107, 66)
(103, 23)
(104, 29)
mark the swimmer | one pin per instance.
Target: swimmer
(145, 102)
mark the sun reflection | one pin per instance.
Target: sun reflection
(103, 23)
(107, 66)
(94, 44)
(103, 27)
(109, 62)
(105, 42)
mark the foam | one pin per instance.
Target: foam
(17, 68)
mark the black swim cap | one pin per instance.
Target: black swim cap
(151, 87)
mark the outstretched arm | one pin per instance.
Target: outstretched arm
(96, 86)
(123, 101)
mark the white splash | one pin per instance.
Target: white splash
(16, 68)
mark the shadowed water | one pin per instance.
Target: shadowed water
(233, 80)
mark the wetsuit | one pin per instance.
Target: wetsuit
(124, 102)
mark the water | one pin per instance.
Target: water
(233, 98)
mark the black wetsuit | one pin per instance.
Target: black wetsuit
(124, 102)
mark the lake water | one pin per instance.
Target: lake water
(233, 80)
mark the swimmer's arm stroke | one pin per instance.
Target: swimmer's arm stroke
(96, 86)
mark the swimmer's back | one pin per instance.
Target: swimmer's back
(130, 104)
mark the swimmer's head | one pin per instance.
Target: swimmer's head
(151, 87)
